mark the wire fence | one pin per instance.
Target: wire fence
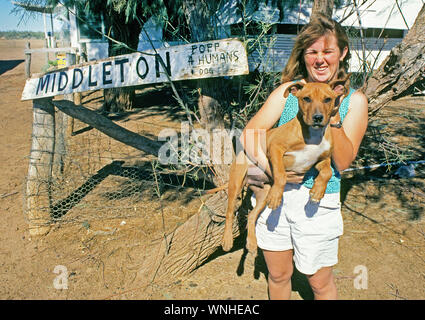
(91, 177)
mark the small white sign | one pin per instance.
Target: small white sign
(215, 58)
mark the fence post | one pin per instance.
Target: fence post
(46, 45)
(63, 132)
(39, 180)
(77, 95)
(28, 61)
(71, 59)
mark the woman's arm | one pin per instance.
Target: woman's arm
(347, 139)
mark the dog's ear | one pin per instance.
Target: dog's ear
(341, 87)
(294, 88)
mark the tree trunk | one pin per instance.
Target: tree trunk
(121, 99)
(401, 70)
(118, 99)
(322, 6)
(180, 252)
(198, 15)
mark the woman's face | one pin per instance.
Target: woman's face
(322, 59)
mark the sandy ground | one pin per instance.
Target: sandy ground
(382, 244)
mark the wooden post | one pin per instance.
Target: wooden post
(63, 132)
(83, 54)
(46, 45)
(71, 59)
(38, 190)
(82, 57)
(28, 61)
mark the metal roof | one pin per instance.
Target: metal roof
(373, 14)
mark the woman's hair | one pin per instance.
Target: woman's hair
(318, 26)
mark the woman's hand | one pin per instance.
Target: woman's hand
(257, 177)
(294, 177)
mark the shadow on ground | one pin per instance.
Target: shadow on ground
(6, 65)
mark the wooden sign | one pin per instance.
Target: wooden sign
(208, 59)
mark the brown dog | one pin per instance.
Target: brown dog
(295, 146)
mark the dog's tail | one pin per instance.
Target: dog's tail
(214, 190)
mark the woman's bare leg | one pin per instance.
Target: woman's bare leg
(280, 267)
(323, 284)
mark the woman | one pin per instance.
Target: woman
(297, 230)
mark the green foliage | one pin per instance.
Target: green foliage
(51, 65)
(131, 9)
(14, 34)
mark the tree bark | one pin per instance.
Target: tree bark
(180, 252)
(322, 6)
(121, 99)
(403, 67)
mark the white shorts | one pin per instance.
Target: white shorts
(311, 230)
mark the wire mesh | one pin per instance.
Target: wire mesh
(95, 177)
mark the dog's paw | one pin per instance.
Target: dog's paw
(251, 245)
(314, 200)
(316, 195)
(227, 242)
(274, 198)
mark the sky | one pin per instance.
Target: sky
(9, 21)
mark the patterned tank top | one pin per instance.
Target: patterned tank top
(289, 112)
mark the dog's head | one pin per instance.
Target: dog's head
(318, 102)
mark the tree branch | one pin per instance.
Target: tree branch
(108, 127)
